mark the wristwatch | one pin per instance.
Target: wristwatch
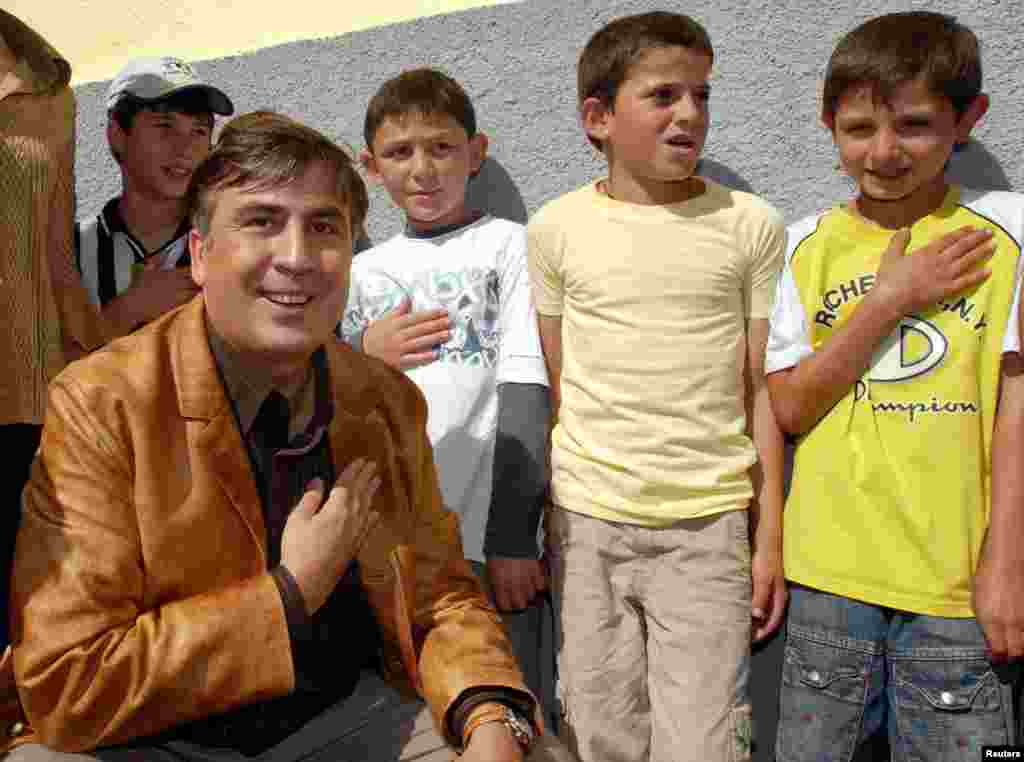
(519, 726)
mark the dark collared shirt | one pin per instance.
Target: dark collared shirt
(332, 647)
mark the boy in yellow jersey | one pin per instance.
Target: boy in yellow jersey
(653, 288)
(894, 358)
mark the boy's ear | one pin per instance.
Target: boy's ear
(369, 162)
(970, 117)
(828, 120)
(595, 115)
(115, 137)
(197, 256)
(477, 152)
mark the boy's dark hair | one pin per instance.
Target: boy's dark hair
(896, 48)
(264, 150)
(188, 102)
(605, 61)
(424, 92)
(191, 102)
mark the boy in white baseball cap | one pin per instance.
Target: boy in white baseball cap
(133, 254)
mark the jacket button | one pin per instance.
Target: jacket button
(17, 729)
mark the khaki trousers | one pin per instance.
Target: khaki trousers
(654, 651)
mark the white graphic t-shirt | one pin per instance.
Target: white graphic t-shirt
(478, 273)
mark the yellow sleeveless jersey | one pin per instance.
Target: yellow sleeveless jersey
(890, 496)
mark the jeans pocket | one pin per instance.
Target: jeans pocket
(824, 689)
(947, 710)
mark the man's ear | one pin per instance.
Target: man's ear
(477, 152)
(369, 162)
(197, 255)
(595, 115)
(828, 121)
(971, 116)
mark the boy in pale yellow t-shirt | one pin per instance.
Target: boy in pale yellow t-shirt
(653, 288)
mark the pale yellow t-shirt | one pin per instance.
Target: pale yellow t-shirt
(653, 301)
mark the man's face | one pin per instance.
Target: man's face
(424, 164)
(274, 267)
(654, 134)
(160, 152)
(896, 149)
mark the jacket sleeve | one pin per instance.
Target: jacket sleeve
(98, 661)
(461, 642)
(82, 328)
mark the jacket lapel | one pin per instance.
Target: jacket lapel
(201, 396)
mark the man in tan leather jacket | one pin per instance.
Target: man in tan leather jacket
(185, 586)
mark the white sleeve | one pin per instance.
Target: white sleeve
(1011, 338)
(789, 340)
(354, 321)
(520, 360)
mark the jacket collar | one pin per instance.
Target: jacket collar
(201, 389)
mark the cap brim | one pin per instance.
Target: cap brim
(219, 102)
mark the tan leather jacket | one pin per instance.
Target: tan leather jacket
(141, 592)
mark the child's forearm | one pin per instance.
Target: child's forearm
(550, 329)
(767, 473)
(998, 585)
(802, 395)
(520, 474)
(1005, 540)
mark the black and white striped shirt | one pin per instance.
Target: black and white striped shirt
(106, 253)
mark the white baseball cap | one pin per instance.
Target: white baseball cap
(155, 79)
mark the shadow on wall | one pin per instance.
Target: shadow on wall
(494, 191)
(975, 167)
(723, 175)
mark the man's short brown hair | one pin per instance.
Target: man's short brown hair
(266, 150)
(896, 48)
(605, 61)
(421, 92)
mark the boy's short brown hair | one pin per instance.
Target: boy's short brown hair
(267, 150)
(605, 61)
(889, 50)
(423, 92)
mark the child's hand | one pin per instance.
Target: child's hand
(515, 581)
(405, 340)
(998, 602)
(947, 266)
(768, 604)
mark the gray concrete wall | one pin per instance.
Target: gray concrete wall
(518, 64)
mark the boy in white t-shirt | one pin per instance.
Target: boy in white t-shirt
(470, 343)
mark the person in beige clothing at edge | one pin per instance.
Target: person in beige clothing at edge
(653, 288)
(47, 317)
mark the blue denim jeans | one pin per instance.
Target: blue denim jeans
(853, 668)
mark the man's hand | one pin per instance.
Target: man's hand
(406, 340)
(769, 600)
(998, 602)
(492, 742)
(515, 581)
(945, 267)
(321, 537)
